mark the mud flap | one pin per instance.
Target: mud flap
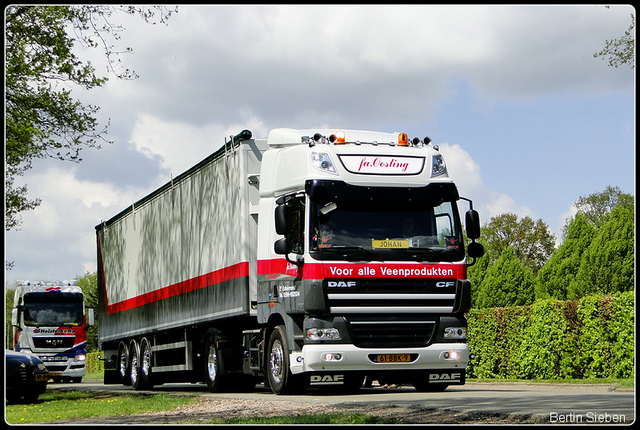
(331, 380)
(448, 377)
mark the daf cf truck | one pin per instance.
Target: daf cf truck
(308, 260)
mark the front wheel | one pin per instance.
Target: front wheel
(280, 377)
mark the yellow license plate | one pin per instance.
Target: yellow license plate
(393, 358)
(41, 377)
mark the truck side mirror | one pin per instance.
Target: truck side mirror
(90, 317)
(472, 223)
(475, 250)
(14, 317)
(283, 219)
(282, 246)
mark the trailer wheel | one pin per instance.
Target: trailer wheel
(145, 363)
(134, 367)
(212, 359)
(123, 364)
(280, 377)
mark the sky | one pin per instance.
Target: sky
(527, 119)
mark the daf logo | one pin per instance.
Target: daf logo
(434, 377)
(341, 284)
(445, 284)
(326, 380)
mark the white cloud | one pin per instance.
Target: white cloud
(466, 174)
(182, 145)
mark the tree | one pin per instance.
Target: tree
(607, 266)
(508, 282)
(562, 268)
(42, 119)
(597, 207)
(621, 51)
(8, 328)
(532, 242)
(89, 285)
(477, 273)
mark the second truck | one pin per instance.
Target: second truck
(311, 259)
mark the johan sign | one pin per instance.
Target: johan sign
(385, 165)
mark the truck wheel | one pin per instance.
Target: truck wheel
(424, 386)
(280, 377)
(134, 367)
(123, 364)
(212, 359)
(145, 363)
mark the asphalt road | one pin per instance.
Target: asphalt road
(555, 403)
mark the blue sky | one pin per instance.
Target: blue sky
(527, 119)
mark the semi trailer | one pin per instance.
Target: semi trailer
(310, 259)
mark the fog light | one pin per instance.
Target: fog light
(332, 356)
(451, 355)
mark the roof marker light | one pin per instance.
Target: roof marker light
(340, 137)
(403, 139)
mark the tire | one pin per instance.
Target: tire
(281, 380)
(123, 364)
(425, 387)
(146, 378)
(212, 357)
(134, 366)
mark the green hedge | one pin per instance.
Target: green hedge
(93, 364)
(588, 338)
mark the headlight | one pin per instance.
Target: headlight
(316, 334)
(41, 366)
(80, 357)
(438, 166)
(322, 161)
(455, 333)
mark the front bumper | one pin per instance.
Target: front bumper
(346, 358)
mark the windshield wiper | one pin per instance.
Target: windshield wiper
(347, 250)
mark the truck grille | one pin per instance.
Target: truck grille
(387, 297)
(389, 331)
(53, 342)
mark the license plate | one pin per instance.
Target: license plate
(41, 377)
(393, 358)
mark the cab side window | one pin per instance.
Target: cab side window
(296, 236)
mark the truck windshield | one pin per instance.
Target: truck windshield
(52, 313)
(375, 223)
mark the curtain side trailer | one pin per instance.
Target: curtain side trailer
(290, 261)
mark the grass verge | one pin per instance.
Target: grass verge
(53, 406)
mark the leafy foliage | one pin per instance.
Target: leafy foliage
(557, 274)
(596, 256)
(592, 337)
(507, 283)
(621, 51)
(532, 241)
(89, 285)
(42, 119)
(607, 266)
